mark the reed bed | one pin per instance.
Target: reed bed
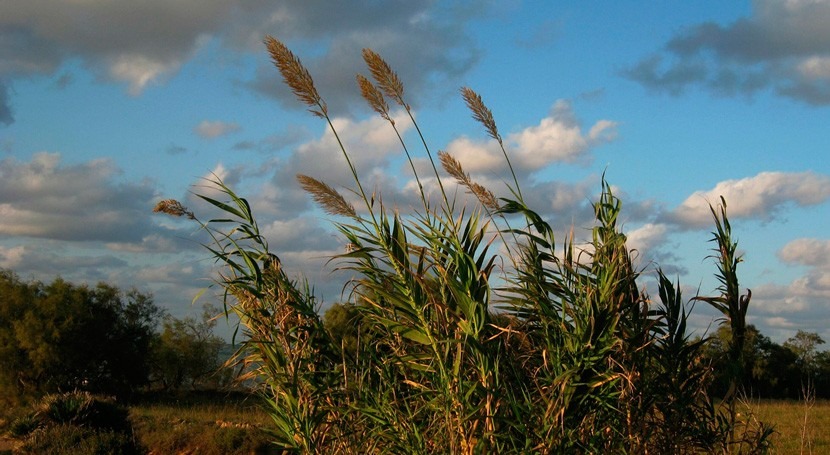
(479, 331)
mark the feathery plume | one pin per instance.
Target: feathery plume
(480, 112)
(386, 79)
(453, 167)
(174, 208)
(485, 196)
(327, 197)
(374, 97)
(295, 76)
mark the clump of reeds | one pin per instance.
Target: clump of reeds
(558, 351)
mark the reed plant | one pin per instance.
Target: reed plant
(481, 332)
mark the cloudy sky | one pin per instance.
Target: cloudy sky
(107, 106)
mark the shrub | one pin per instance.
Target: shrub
(24, 425)
(75, 423)
(83, 409)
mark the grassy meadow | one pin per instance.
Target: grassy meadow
(164, 427)
(233, 425)
(799, 428)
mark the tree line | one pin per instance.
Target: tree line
(59, 336)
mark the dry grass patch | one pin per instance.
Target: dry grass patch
(790, 423)
(230, 426)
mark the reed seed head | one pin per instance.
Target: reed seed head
(174, 208)
(327, 197)
(453, 167)
(374, 97)
(296, 76)
(485, 196)
(386, 79)
(480, 112)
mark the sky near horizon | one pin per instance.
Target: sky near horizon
(107, 107)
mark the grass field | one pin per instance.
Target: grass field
(232, 425)
(799, 428)
(179, 427)
(215, 425)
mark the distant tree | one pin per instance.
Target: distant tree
(804, 345)
(770, 369)
(186, 354)
(58, 337)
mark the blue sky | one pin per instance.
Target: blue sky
(107, 107)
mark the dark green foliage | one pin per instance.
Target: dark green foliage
(83, 409)
(22, 426)
(186, 353)
(772, 370)
(59, 336)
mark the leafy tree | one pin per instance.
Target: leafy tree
(187, 352)
(803, 345)
(59, 336)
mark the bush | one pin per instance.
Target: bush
(24, 425)
(75, 423)
(59, 336)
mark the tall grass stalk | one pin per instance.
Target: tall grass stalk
(475, 336)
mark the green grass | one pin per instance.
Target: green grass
(788, 418)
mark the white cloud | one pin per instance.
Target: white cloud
(212, 129)
(141, 42)
(371, 145)
(759, 197)
(557, 138)
(813, 252)
(647, 237)
(139, 71)
(11, 257)
(154, 243)
(44, 199)
(815, 67)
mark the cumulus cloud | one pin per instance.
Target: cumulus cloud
(371, 143)
(142, 43)
(11, 257)
(557, 138)
(46, 259)
(647, 237)
(813, 252)
(760, 197)
(45, 199)
(783, 46)
(168, 242)
(424, 42)
(212, 129)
